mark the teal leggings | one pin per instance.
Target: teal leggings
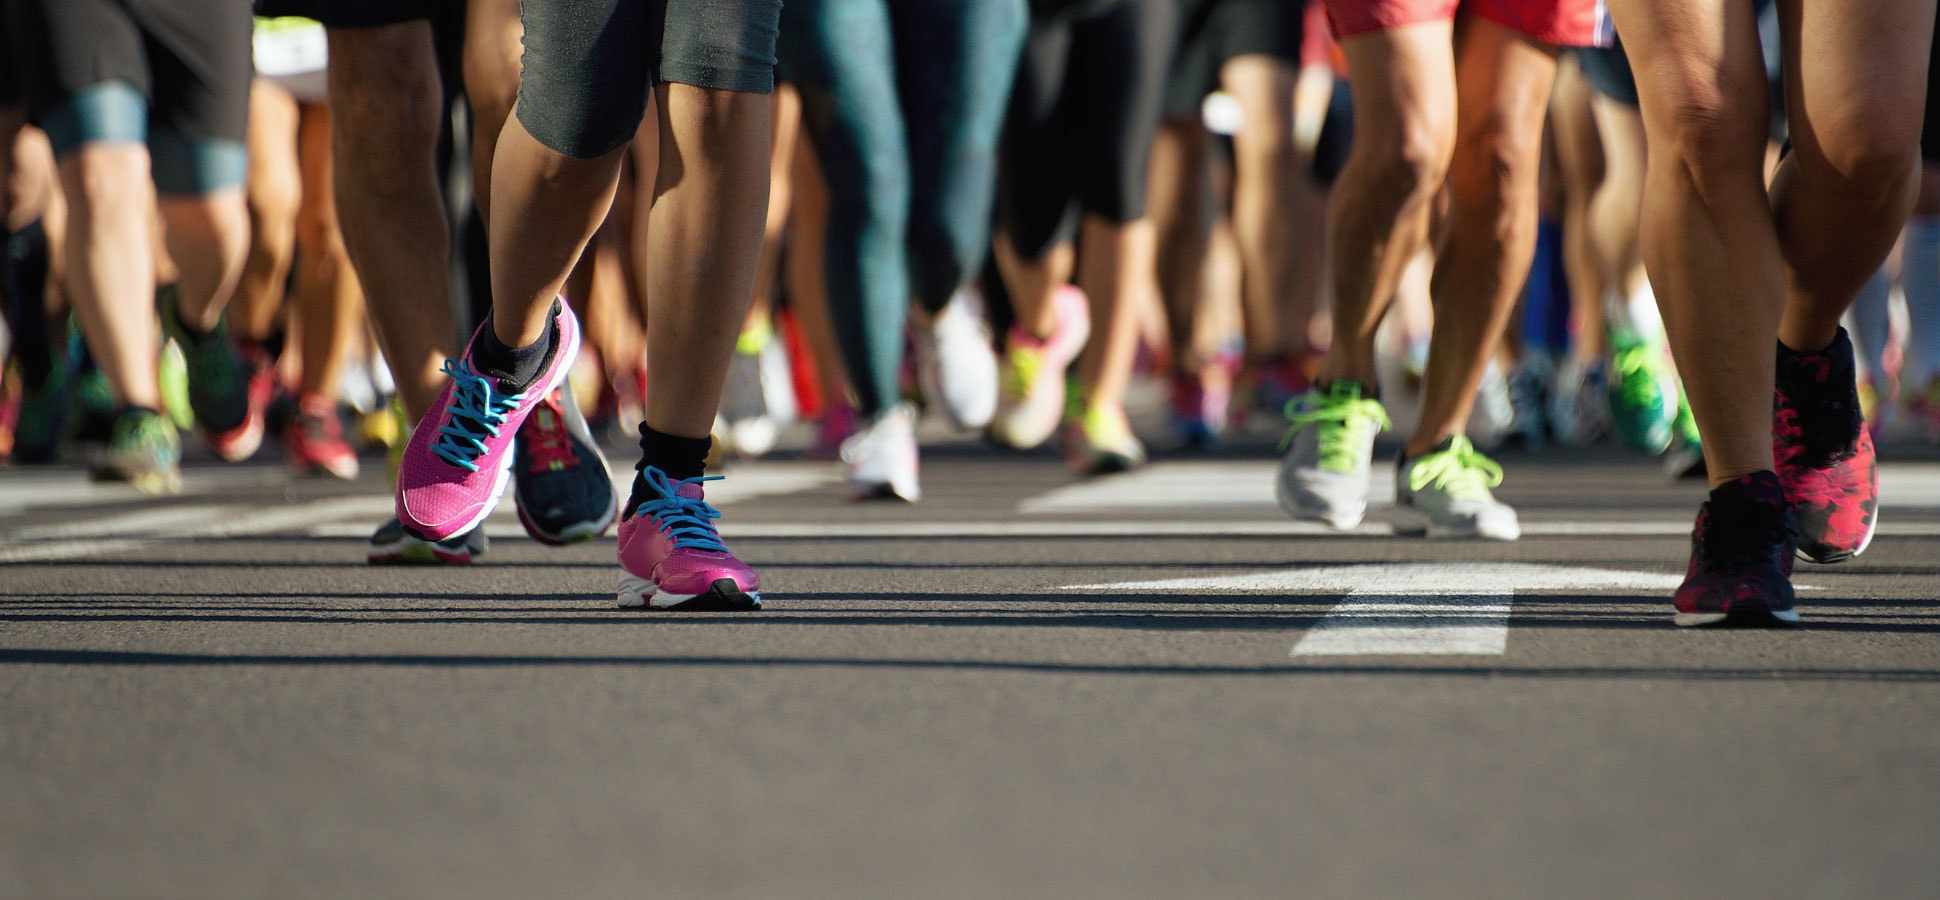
(903, 100)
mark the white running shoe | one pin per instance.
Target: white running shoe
(880, 459)
(1329, 455)
(1030, 401)
(1579, 403)
(955, 363)
(1445, 494)
(758, 397)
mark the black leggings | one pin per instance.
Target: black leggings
(1082, 116)
(588, 64)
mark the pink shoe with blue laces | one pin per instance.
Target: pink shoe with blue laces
(673, 557)
(460, 455)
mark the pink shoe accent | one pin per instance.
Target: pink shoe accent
(673, 556)
(460, 456)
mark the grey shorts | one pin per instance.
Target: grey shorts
(588, 64)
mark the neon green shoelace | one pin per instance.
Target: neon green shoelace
(1460, 471)
(1343, 425)
(1022, 371)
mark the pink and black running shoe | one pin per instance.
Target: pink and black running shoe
(460, 455)
(1741, 557)
(673, 557)
(1824, 452)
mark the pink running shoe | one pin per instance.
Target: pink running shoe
(1030, 400)
(460, 455)
(673, 557)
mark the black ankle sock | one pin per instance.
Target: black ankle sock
(517, 367)
(679, 457)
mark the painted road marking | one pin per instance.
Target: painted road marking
(1368, 623)
(1410, 608)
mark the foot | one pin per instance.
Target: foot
(1100, 442)
(559, 479)
(1329, 453)
(1030, 400)
(880, 460)
(1741, 557)
(1824, 453)
(392, 544)
(1526, 385)
(42, 419)
(1445, 494)
(313, 441)
(955, 363)
(460, 455)
(228, 393)
(1643, 396)
(1201, 400)
(144, 451)
(1579, 403)
(674, 558)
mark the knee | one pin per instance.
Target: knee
(1408, 167)
(1493, 173)
(1870, 154)
(1712, 128)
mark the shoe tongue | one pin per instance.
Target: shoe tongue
(1343, 389)
(690, 491)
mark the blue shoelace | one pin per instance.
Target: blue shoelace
(688, 520)
(477, 411)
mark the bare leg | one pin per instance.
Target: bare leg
(275, 191)
(1269, 167)
(1854, 95)
(330, 303)
(110, 272)
(1579, 157)
(1182, 214)
(1503, 80)
(1404, 115)
(491, 64)
(1709, 240)
(1115, 273)
(384, 91)
(1032, 282)
(1619, 200)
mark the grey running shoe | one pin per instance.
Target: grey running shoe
(1329, 453)
(1445, 494)
(392, 544)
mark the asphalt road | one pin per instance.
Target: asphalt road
(1148, 686)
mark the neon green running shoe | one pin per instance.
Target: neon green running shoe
(1445, 494)
(1329, 453)
(1643, 395)
(144, 451)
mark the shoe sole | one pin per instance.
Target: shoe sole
(1839, 556)
(1762, 618)
(1300, 512)
(572, 534)
(1410, 523)
(410, 552)
(155, 483)
(724, 595)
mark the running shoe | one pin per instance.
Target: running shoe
(757, 398)
(1579, 403)
(1525, 385)
(880, 460)
(836, 425)
(144, 451)
(1445, 494)
(674, 558)
(559, 479)
(955, 363)
(1266, 387)
(313, 440)
(1200, 401)
(1030, 400)
(91, 411)
(172, 379)
(1741, 557)
(1824, 453)
(41, 420)
(460, 455)
(1643, 396)
(227, 393)
(1099, 441)
(1493, 416)
(1329, 454)
(392, 544)
(1685, 461)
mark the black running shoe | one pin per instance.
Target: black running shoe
(560, 482)
(227, 393)
(393, 545)
(1741, 557)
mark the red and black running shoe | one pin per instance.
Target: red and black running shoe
(1741, 557)
(1824, 453)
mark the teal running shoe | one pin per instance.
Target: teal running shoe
(1643, 395)
(144, 451)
